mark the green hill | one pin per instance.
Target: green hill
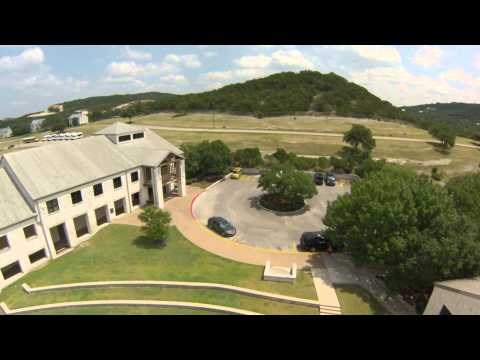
(465, 118)
(278, 94)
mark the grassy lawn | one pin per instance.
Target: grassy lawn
(125, 310)
(461, 159)
(119, 252)
(355, 300)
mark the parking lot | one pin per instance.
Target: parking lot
(236, 201)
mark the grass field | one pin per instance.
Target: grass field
(459, 160)
(119, 252)
(119, 310)
(355, 300)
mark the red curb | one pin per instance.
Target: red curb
(191, 205)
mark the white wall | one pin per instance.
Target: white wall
(20, 249)
(68, 211)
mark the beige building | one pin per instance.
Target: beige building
(455, 297)
(79, 117)
(55, 196)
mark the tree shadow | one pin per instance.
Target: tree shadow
(255, 204)
(147, 243)
(439, 148)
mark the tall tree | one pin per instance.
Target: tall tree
(445, 134)
(360, 136)
(284, 182)
(409, 226)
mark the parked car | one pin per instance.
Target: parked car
(330, 179)
(11, 146)
(236, 171)
(314, 241)
(221, 226)
(318, 178)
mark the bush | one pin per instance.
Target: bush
(436, 175)
(369, 166)
(248, 158)
(323, 163)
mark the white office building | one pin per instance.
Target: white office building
(54, 197)
(79, 117)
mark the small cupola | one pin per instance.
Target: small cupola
(120, 133)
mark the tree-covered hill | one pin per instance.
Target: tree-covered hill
(465, 118)
(277, 94)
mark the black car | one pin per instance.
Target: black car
(221, 226)
(314, 241)
(318, 178)
(330, 179)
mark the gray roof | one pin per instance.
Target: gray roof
(468, 286)
(119, 128)
(5, 129)
(13, 208)
(52, 168)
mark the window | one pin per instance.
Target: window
(97, 189)
(139, 135)
(117, 182)
(136, 199)
(30, 231)
(124, 138)
(11, 270)
(52, 206)
(76, 197)
(4, 245)
(101, 215)
(36, 256)
(134, 176)
(81, 226)
(119, 207)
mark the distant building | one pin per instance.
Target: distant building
(56, 108)
(36, 125)
(5, 132)
(79, 117)
(455, 297)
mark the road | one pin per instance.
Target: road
(289, 132)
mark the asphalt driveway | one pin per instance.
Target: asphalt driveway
(235, 200)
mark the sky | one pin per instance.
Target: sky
(32, 77)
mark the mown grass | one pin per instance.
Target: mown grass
(355, 300)
(119, 252)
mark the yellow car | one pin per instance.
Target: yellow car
(237, 170)
(235, 176)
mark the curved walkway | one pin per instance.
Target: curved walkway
(174, 284)
(150, 303)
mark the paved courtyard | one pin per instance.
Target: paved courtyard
(236, 200)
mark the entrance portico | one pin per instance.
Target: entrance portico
(166, 180)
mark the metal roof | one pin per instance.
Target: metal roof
(119, 128)
(13, 207)
(57, 167)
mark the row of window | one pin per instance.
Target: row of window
(128, 137)
(29, 231)
(15, 268)
(52, 205)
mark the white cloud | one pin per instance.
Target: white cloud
(292, 58)
(137, 54)
(400, 87)
(174, 78)
(380, 53)
(188, 60)
(460, 76)
(427, 56)
(132, 69)
(258, 61)
(26, 58)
